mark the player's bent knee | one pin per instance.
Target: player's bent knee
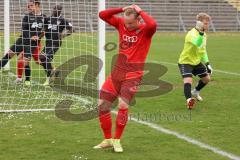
(11, 53)
(123, 105)
(20, 57)
(100, 102)
(26, 61)
(187, 80)
(206, 80)
(104, 106)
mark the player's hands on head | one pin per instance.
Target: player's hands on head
(134, 6)
(35, 38)
(137, 8)
(200, 26)
(127, 7)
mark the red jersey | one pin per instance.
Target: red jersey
(133, 45)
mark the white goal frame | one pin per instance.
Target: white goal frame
(6, 30)
(101, 37)
(101, 33)
(101, 43)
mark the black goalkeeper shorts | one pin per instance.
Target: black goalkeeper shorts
(188, 70)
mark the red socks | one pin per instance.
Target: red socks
(20, 67)
(121, 121)
(106, 123)
(36, 53)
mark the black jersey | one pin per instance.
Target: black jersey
(32, 25)
(54, 26)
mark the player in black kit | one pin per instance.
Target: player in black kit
(32, 26)
(56, 28)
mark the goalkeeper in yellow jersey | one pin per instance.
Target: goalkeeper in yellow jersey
(194, 60)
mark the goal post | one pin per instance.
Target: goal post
(6, 29)
(101, 43)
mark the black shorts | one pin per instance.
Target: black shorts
(18, 46)
(188, 70)
(28, 47)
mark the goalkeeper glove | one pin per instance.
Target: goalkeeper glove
(209, 68)
(200, 27)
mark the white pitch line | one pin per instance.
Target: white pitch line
(26, 110)
(215, 70)
(185, 138)
(226, 72)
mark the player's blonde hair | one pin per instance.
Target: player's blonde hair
(203, 16)
(130, 11)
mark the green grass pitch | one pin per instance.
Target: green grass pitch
(215, 121)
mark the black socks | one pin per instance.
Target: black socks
(4, 60)
(27, 72)
(48, 68)
(200, 85)
(187, 90)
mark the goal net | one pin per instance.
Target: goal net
(77, 59)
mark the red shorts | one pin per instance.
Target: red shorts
(113, 88)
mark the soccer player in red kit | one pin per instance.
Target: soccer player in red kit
(134, 43)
